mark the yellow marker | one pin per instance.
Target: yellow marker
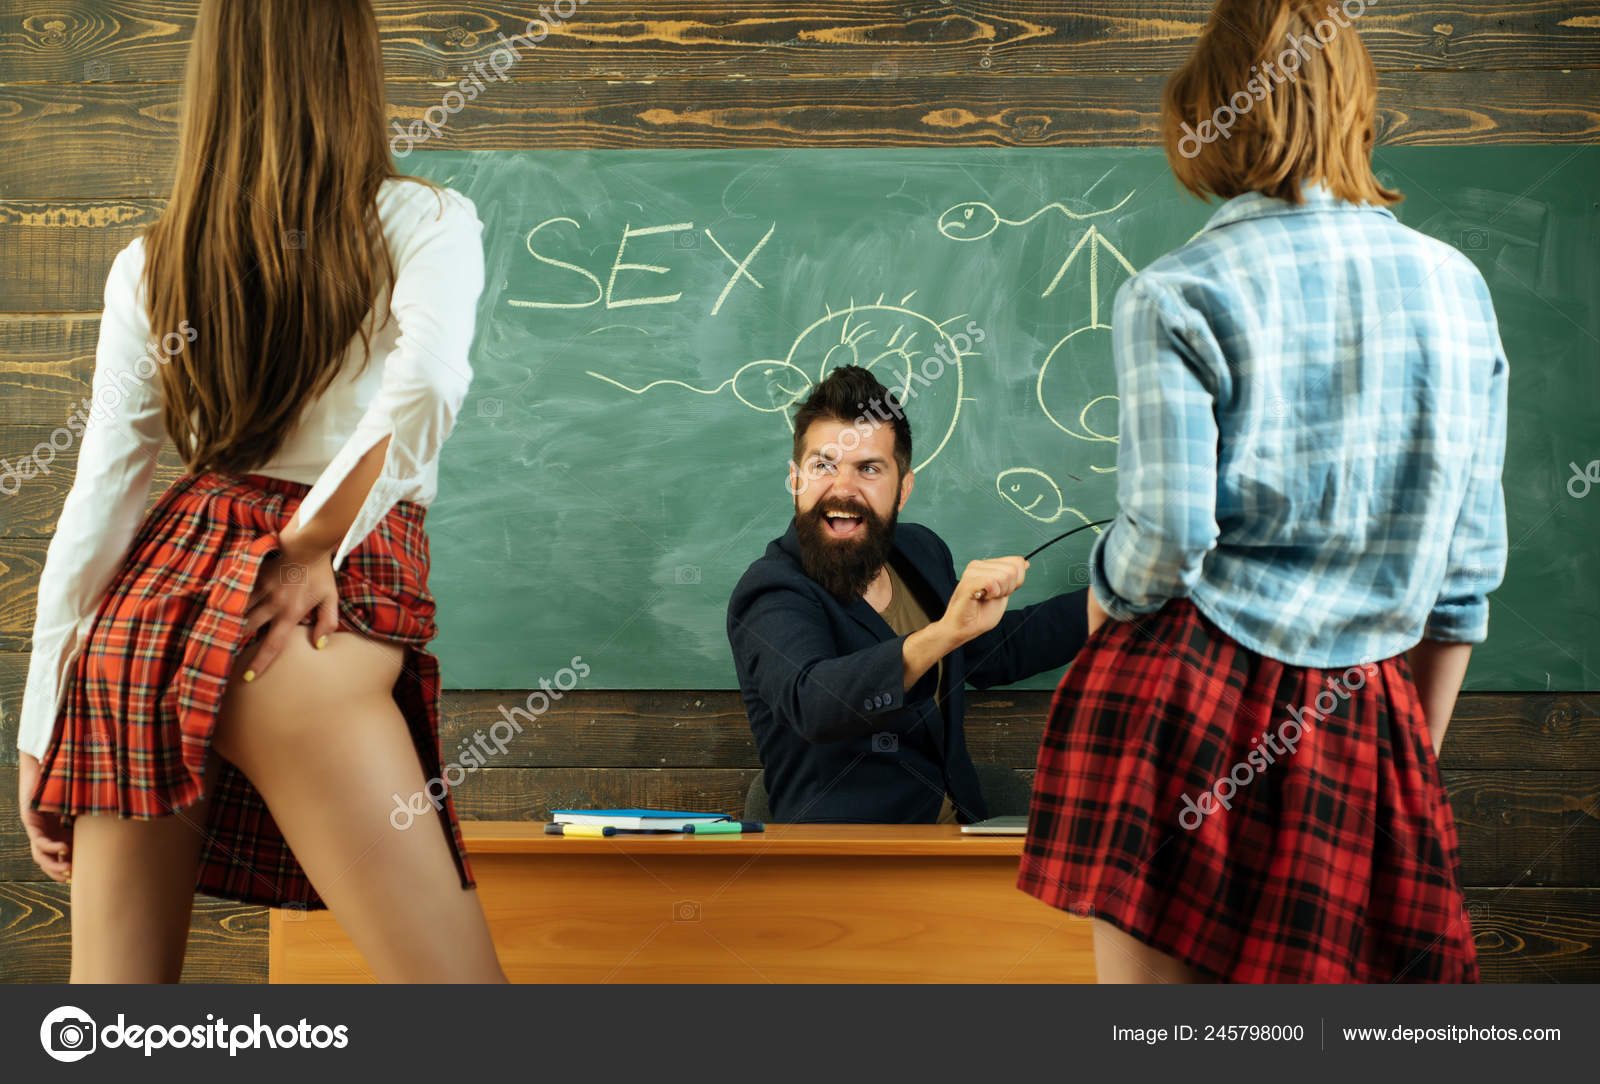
(249, 675)
(322, 641)
(590, 831)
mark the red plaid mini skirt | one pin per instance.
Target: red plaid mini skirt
(1258, 821)
(135, 725)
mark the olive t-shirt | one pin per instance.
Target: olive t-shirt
(905, 615)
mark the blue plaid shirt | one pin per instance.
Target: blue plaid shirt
(1313, 410)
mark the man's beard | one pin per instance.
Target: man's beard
(844, 567)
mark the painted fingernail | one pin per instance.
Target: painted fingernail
(249, 675)
(322, 641)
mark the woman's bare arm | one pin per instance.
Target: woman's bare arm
(1438, 669)
(327, 528)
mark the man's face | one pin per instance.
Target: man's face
(848, 495)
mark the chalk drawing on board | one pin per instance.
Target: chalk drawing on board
(975, 220)
(1036, 495)
(869, 335)
(882, 333)
(1062, 352)
(768, 386)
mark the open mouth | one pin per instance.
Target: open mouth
(844, 524)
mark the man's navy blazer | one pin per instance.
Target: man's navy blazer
(840, 738)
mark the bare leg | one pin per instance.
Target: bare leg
(132, 894)
(320, 736)
(1121, 958)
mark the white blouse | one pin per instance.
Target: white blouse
(411, 392)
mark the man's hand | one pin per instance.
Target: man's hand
(967, 616)
(48, 841)
(981, 597)
(292, 585)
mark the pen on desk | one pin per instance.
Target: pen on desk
(724, 828)
(585, 831)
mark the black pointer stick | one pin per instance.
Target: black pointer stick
(979, 595)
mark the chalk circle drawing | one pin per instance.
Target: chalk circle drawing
(1061, 356)
(1036, 495)
(923, 386)
(855, 335)
(1074, 351)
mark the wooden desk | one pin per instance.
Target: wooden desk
(796, 903)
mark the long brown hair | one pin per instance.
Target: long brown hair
(1276, 92)
(270, 246)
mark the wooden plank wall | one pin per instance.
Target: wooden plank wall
(89, 93)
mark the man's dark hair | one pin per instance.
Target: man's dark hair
(850, 393)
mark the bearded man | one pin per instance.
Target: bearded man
(853, 638)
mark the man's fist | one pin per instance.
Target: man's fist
(981, 597)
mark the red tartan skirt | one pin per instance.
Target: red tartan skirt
(1258, 821)
(142, 696)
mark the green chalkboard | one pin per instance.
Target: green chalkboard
(651, 317)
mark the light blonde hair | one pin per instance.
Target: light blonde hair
(1241, 116)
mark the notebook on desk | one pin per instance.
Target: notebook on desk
(662, 820)
(1012, 825)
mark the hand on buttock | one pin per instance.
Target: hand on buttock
(293, 589)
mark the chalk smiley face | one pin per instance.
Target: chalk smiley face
(1032, 492)
(1035, 494)
(969, 221)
